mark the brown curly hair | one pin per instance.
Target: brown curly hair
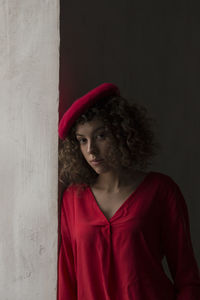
(133, 140)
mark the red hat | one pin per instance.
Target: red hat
(83, 103)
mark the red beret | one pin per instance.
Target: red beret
(82, 104)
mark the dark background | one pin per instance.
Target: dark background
(151, 50)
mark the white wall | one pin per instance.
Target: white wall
(29, 58)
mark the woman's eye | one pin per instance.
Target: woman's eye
(82, 141)
(101, 136)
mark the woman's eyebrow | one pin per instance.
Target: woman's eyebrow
(102, 127)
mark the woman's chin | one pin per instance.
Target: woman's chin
(100, 169)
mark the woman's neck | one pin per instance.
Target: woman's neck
(114, 181)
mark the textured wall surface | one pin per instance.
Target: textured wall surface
(29, 63)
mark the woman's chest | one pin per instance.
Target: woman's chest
(109, 204)
(126, 221)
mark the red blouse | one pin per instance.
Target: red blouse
(121, 258)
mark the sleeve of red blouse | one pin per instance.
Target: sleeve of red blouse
(67, 286)
(177, 246)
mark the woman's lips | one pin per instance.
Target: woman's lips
(96, 162)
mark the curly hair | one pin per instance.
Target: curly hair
(133, 142)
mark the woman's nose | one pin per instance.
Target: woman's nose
(91, 147)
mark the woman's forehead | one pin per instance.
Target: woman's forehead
(89, 126)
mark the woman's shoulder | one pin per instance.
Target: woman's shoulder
(163, 176)
(173, 199)
(166, 183)
(165, 180)
(70, 196)
(73, 189)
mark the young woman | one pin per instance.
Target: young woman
(118, 220)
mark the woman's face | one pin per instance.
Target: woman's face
(95, 142)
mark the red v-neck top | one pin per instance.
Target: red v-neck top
(121, 258)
